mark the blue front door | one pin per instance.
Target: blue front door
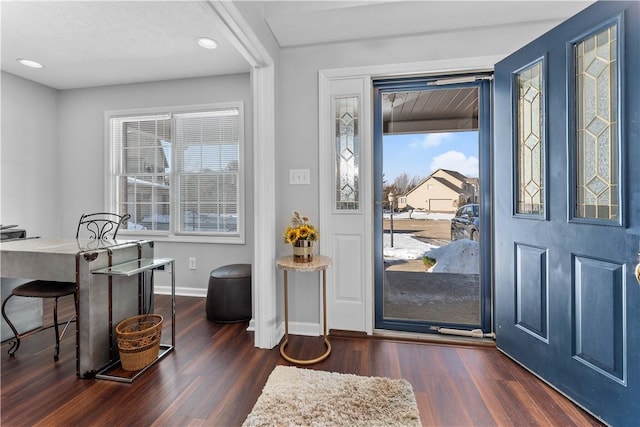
(567, 209)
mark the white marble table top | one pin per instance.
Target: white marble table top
(319, 263)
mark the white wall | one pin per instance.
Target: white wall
(29, 156)
(297, 118)
(82, 161)
(53, 160)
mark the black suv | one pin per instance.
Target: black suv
(466, 223)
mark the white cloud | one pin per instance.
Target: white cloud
(429, 140)
(435, 139)
(456, 161)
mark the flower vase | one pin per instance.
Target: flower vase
(303, 251)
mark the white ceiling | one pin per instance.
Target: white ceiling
(312, 22)
(98, 43)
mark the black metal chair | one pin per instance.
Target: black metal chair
(93, 226)
(100, 225)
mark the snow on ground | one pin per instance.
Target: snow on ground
(417, 215)
(460, 256)
(404, 247)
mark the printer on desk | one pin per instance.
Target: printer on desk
(9, 232)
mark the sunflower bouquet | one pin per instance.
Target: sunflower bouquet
(300, 229)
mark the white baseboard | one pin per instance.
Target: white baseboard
(300, 328)
(295, 328)
(184, 292)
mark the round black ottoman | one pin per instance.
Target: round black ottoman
(229, 294)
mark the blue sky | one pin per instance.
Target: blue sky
(422, 154)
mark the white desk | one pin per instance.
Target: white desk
(73, 260)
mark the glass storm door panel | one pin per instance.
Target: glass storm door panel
(566, 133)
(432, 229)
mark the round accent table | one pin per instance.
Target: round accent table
(319, 263)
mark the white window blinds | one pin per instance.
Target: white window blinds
(207, 155)
(179, 172)
(142, 170)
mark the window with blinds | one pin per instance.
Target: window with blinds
(178, 172)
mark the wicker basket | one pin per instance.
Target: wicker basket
(139, 340)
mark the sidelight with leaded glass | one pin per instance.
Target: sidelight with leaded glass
(347, 153)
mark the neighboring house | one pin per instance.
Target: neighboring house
(442, 191)
(475, 183)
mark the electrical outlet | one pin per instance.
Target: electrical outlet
(192, 263)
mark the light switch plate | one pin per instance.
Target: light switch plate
(299, 176)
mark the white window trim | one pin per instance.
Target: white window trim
(171, 236)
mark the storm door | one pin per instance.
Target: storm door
(567, 209)
(432, 228)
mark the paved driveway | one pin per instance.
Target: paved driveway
(432, 297)
(433, 231)
(412, 293)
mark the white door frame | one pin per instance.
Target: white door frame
(229, 20)
(326, 190)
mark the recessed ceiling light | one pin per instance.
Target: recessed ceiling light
(207, 43)
(29, 63)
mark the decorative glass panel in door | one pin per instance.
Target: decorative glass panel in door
(530, 140)
(596, 133)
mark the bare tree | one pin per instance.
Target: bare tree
(403, 184)
(415, 181)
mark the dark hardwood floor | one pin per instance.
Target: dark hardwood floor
(216, 375)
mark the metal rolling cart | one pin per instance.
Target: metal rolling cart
(140, 267)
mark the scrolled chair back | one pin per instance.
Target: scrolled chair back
(100, 226)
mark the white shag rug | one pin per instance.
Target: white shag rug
(305, 397)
